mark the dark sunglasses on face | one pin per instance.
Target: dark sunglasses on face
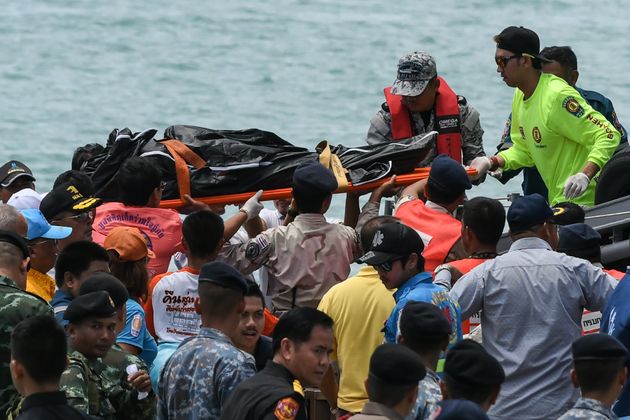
(502, 62)
(387, 265)
(81, 217)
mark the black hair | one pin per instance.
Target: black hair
(39, 344)
(423, 345)
(384, 393)
(486, 218)
(309, 201)
(597, 375)
(84, 153)
(76, 258)
(79, 179)
(216, 301)
(254, 290)
(203, 232)
(564, 55)
(21, 183)
(370, 227)
(476, 393)
(441, 196)
(137, 179)
(297, 325)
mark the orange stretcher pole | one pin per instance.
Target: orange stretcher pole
(285, 193)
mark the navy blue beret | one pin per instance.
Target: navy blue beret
(528, 211)
(95, 304)
(223, 275)
(597, 347)
(395, 364)
(98, 282)
(469, 363)
(422, 319)
(578, 236)
(448, 175)
(314, 176)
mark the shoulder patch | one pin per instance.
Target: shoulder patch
(286, 409)
(136, 325)
(573, 106)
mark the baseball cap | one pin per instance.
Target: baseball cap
(579, 240)
(414, 72)
(448, 175)
(567, 213)
(38, 226)
(128, 242)
(528, 211)
(12, 170)
(392, 241)
(66, 197)
(26, 198)
(520, 40)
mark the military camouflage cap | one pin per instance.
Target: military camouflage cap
(414, 72)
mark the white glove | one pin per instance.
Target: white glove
(576, 185)
(482, 164)
(252, 206)
(497, 174)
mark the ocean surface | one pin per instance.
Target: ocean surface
(307, 70)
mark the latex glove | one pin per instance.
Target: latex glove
(576, 185)
(253, 206)
(496, 174)
(482, 164)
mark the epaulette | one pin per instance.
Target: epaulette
(385, 107)
(461, 100)
(297, 387)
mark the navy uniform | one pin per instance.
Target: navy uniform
(49, 406)
(594, 347)
(458, 410)
(273, 393)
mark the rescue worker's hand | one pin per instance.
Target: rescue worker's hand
(140, 381)
(192, 205)
(252, 207)
(389, 188)
(496, 174)
(576, 185)
(482, 164)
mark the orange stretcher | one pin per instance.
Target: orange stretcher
(285, 193)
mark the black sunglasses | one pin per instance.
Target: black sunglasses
(387, 265)
(503, 61)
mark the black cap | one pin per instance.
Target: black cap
(15, 239)
(597, 347)
(223, 275)
(394, 364)
(469, 363)
(458, 410)
(66, 197)
(520, 40)
(448, 175)
(314, 176)
(13, 170)
(422, 319)
(579, 240)
(528, 211)
(567, 213)
(98, 282)
(96, 304)
(392, 241)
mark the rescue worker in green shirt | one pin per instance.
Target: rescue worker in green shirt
(553, 127)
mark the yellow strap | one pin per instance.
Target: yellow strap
(297, 387)
(332, 162)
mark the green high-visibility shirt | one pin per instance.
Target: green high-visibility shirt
(557, 131)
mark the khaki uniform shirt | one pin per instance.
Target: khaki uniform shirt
(376, 411)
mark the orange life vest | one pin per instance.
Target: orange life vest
(448, 124)
(439, 231)
(464, 266)
(615, 273)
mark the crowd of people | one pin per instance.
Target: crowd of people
(436, 324)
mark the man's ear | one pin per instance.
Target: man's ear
(16, 369)
(25, 265)
(574, 378)
(197, 306)
(286, 349)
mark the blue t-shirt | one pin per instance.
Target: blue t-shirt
(420, 288)
(616, 322)
(59, 303)
(136, 334)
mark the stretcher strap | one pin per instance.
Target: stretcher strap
(183, 156)
(332, 162)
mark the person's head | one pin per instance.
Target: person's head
(313, 185)
(14, 176)
(396, 253)
(393, 377)
(302, 343)
(416, 81)
(581, 241)
(369, 230)
(25, 199)
(140, 183)
(78, 179)
(252, 319)
(425, 329)
(517, 55)
(92, 324)
(14, 257)
(99, 282)
(567, 213)
(482, 223)
(599, 365)
(12, 220)
(447, 183)
(471, 373)
(38, 353)
(84, 153)
(530, 215)
(128, 257)
(42, 239)
(282, 206)
(221, 291)
(65, 205)
(203, 234)
(78, 261)
(562, 63)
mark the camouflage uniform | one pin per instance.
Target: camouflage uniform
(587, 408)
(429, 394)
(200, 375)
(15, 306)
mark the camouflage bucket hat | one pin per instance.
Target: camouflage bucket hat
(414, 72)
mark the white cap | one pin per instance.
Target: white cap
(26, 199)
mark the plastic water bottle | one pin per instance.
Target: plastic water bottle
(131, 369)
